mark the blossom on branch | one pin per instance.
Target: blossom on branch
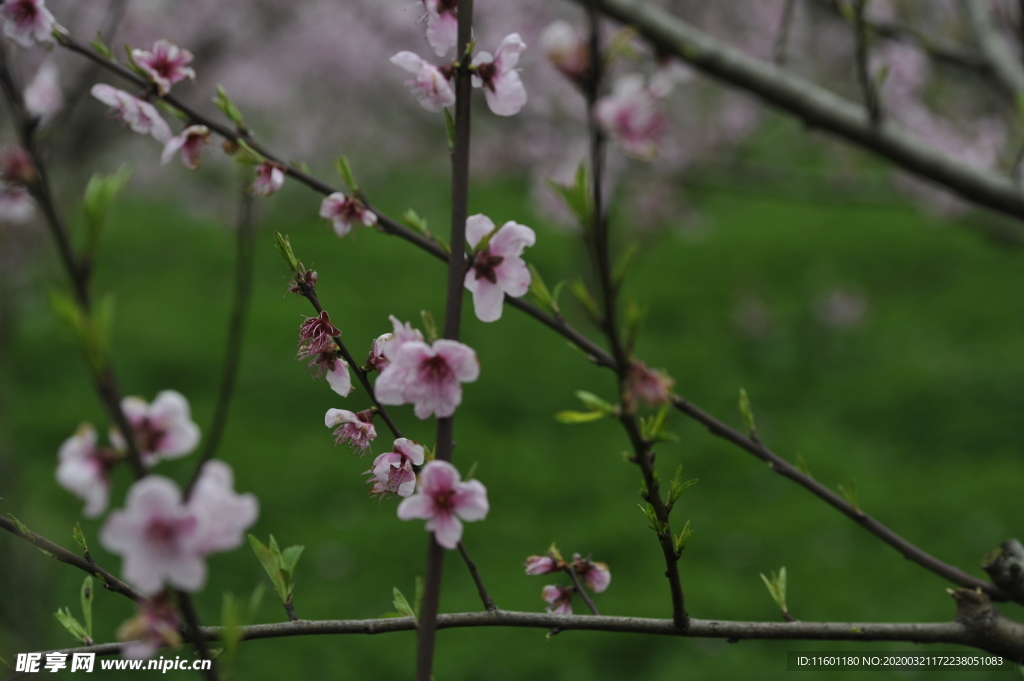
(317, 334)
(142, 117)
(354, 429)
(595, 576)
(164, 539)
(269, 178)
(496, 268)
(15, 204)
(393, 473)
(499, 77)
(649, 385)
(161, 430)
(27, 22)
(155, 626)
(442, 499)
(542, 565)
(431, 85)
(84, 470)
(166, 64)
(632, 117)
(43, 96)
(559, 599)
(567, 50)
(442, 25)
(344, 211)
(430, 377)
(188, 145)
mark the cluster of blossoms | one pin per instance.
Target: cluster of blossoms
(161, 430)
(496, 74)
(162, 536)
(591, 574)
(632, 113)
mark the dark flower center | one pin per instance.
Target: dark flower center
(484, 265)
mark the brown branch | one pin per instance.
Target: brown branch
(815, 105)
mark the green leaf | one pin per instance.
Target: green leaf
(850, 494)
(345, 170)
(574, 417)
(228, 108)
(415, 222)
(87, 596)
(777, 588)
(678, 487)
(100, 194)
(401, 604)
(747, 413)
(579, 289)
(100, 46)
(652, 428)
(624, 263)
(593, 402)
(802, 466)
(652, 518)
(540, 292)
(79, 537)
(576, 196)
(231, 619)
(269, 558)
(70, 624)
(684, 538)
(284, 247)
(290, 558)
(429, 325)
(449, 127)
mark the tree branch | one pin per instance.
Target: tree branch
(1006, 67)
(815, 105)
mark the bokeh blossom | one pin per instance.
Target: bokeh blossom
(430, 86)
(344, 211)
(142, 117)
(161, 430)
(165, 64)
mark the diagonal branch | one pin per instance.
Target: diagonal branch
(996, 49)
(815, 105)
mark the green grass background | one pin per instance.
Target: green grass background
(920, 404)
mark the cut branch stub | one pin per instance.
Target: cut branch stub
(1005, 565)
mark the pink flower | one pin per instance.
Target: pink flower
(430, 85)
(385, 347)
(83, 470)
(164, 540)
(377, 360)
(140, 116)
(632, 117)
(269, 178)
(499, 77)
(223, 515)
(392, 472)
(16, 204)
(43, 96)
(354, 429)
(338, 377)
(441, 499)
(343, 212)
(17, 168)
(189, 143)
(317, 334)
(497, 269)
(28, 21)
(669, 73)
(653, 387)
(429, 377)
(541, 565)
(442, 25)
(166, 64)
(155, 626)
(567, 50)
(559, 599)
(157, 534)
(162, 430)
(595, 575)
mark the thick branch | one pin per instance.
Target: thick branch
(995, 47)
(815, 105)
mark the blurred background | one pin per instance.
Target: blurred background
(878, 334)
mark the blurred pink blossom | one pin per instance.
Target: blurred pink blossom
(269, 178)
(83, 469)
(442, 500)
(155, 626)
(541, 565)
(27, 22)
(596, 576)
(161, 430)
(567, 50)
(632, 117)
(142, 117)
(559, 599)
(188, 145)
(43, 96)
(442, 25)
(431, 85)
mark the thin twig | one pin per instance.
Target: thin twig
(867, 82)
(485, 597)
(196, 634)
(643, 454)
(578, 586)
(785, 25)
(245, 255)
